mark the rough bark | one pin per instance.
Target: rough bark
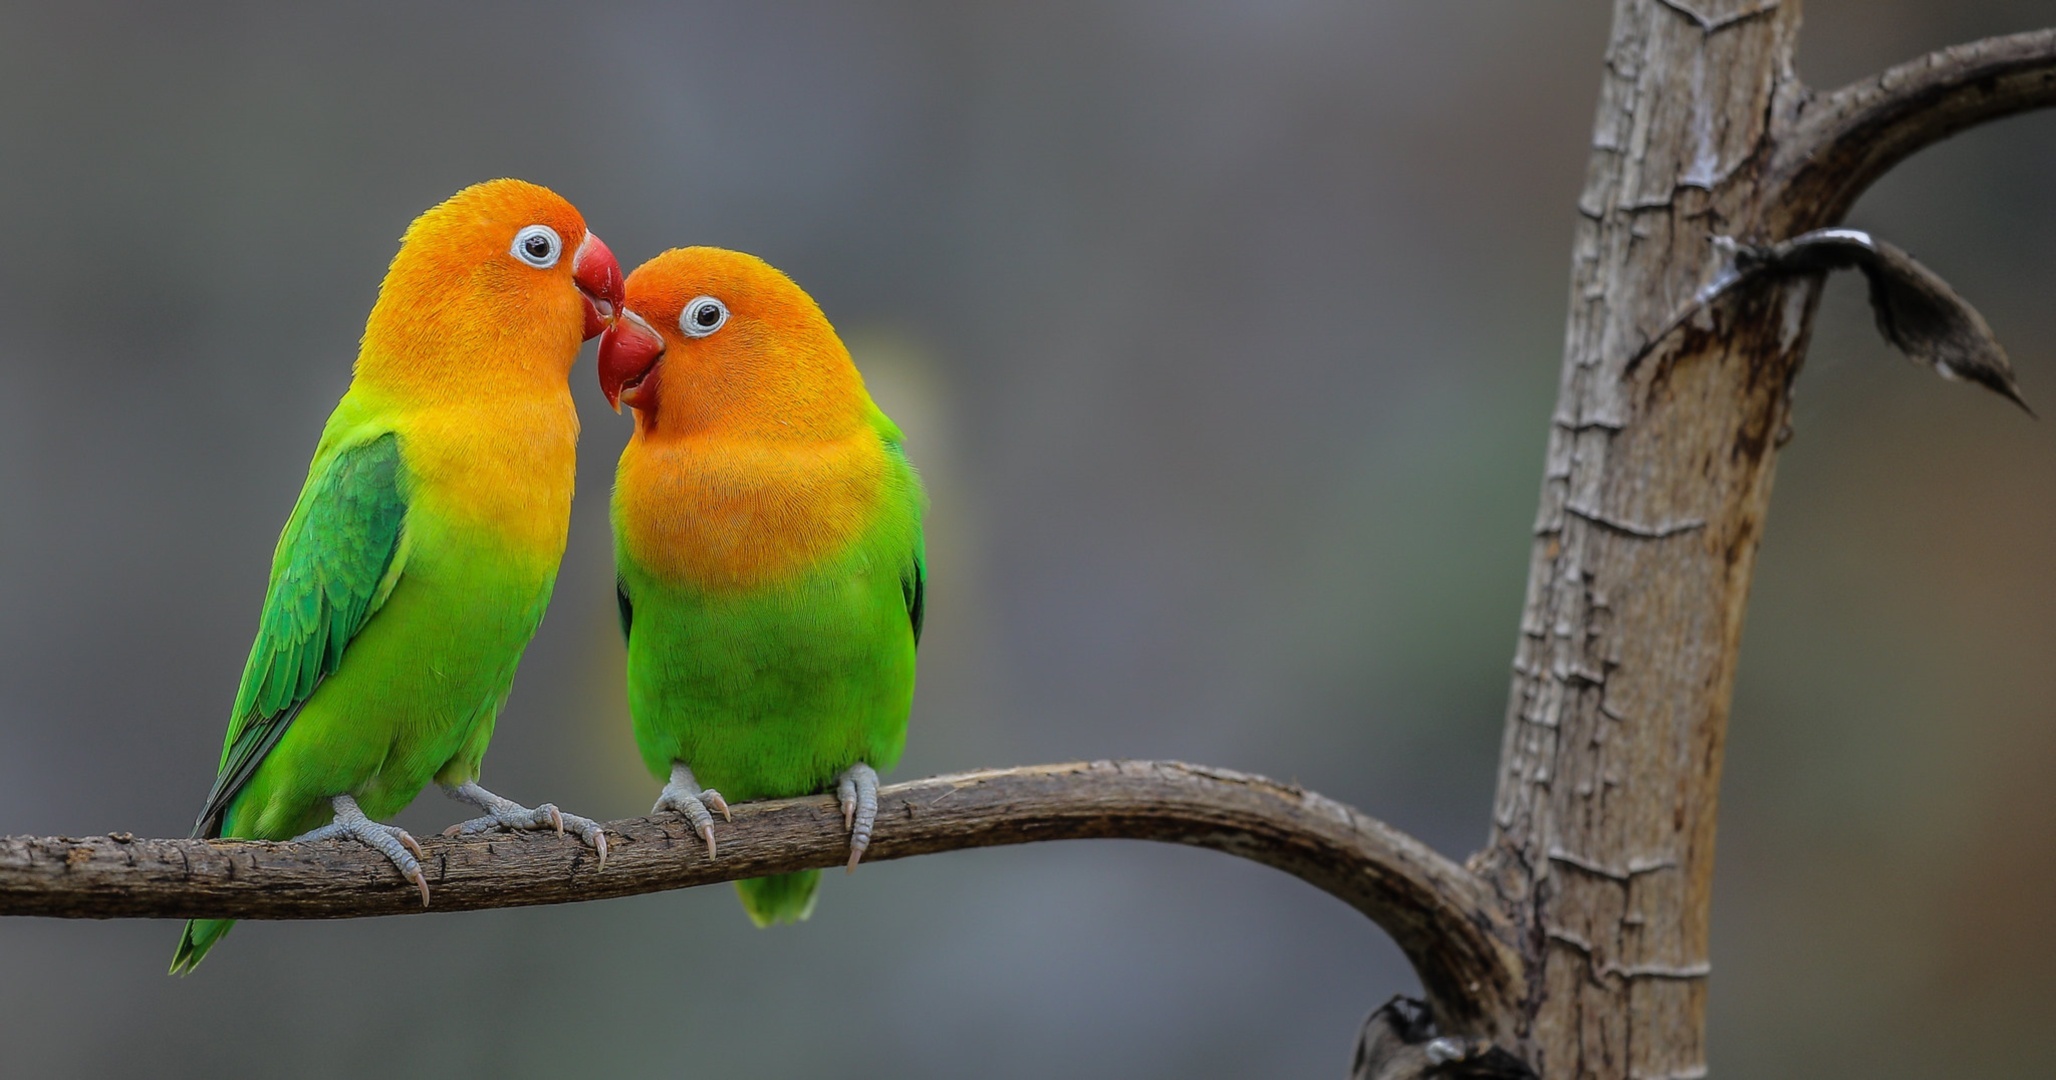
(1440, 914)
(1657, 482)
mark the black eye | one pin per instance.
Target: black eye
(702, 316)
(538, 246)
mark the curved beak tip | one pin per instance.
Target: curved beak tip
(598, 276)
(629, 351)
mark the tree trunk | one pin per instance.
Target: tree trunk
(1663, 444)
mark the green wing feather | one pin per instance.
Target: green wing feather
(337, 561)
(914, 576)
(625, 605)
(914, 586)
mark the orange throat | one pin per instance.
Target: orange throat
(726, 514)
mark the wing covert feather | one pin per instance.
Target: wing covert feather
(337, 561)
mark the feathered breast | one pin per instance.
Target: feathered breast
(730, 514)
(505, 468)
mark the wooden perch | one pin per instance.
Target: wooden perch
(1437, 911)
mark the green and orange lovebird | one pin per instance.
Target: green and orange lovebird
(421, 553)
(767, 533)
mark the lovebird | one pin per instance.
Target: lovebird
(767, 538)
(423, 548)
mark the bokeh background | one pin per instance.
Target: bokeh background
(1226, 333)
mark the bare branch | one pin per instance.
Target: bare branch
(1439, 913)
(1839, 144)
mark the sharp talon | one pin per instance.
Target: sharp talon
(685, 796)
(857, 789)
(391, 841)
(507, 814)
(600, 842)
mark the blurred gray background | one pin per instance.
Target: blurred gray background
(1226, 334)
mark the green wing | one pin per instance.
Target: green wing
(914, 576)
(914, 586)
(336, 563)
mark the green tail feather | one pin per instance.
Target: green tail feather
(200, 936)
(786, 898)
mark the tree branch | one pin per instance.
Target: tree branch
(1839, 144)
(1439, 913)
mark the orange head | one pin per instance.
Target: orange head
(719, 341)
(501, 277)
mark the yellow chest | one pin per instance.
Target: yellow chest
(722, 514)
(500, 469)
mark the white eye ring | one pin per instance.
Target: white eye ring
(702, 315)
(538, 246)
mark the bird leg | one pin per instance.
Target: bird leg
(389, 840)
(507, 814)
(685, 795)
(856, 788)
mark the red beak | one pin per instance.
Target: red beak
(598, 278)
(629, 351)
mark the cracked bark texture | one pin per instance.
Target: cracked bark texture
(1656, 486)
(1657, 480)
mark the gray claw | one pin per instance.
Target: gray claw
(507, 814)
(589, 831)
(857, 790)
(685, 795)
(393, 842)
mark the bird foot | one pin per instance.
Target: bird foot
(389, 840)
(501, 813)
(856, 788)
(685, 795)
